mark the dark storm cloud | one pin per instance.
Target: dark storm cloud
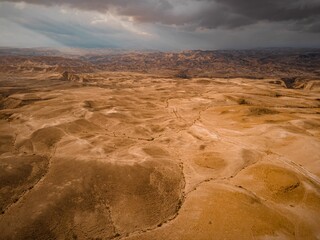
(166, 25)
(205, 13)
(273, 10)
(139, 10)
(246, 12)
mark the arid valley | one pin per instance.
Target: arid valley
(152, 145)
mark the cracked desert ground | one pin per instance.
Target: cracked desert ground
(141, 156)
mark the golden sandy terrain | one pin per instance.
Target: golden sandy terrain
(135, 156)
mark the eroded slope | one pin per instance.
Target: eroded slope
(124, 155)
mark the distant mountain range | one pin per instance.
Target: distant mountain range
(255, 63)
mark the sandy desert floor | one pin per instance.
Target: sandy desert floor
(133, 156)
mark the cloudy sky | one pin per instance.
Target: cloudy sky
(160, 24)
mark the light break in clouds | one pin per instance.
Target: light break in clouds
(160, 24)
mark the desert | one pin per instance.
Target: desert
(131, 148)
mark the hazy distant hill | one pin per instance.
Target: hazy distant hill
(258, 63)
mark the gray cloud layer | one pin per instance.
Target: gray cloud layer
(302, 14)
(163, 25)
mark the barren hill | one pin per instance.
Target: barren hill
(281, 63)
(126, 146)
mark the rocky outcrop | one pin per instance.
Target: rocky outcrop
(67, 76)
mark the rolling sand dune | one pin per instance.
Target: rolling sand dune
(135, 156)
